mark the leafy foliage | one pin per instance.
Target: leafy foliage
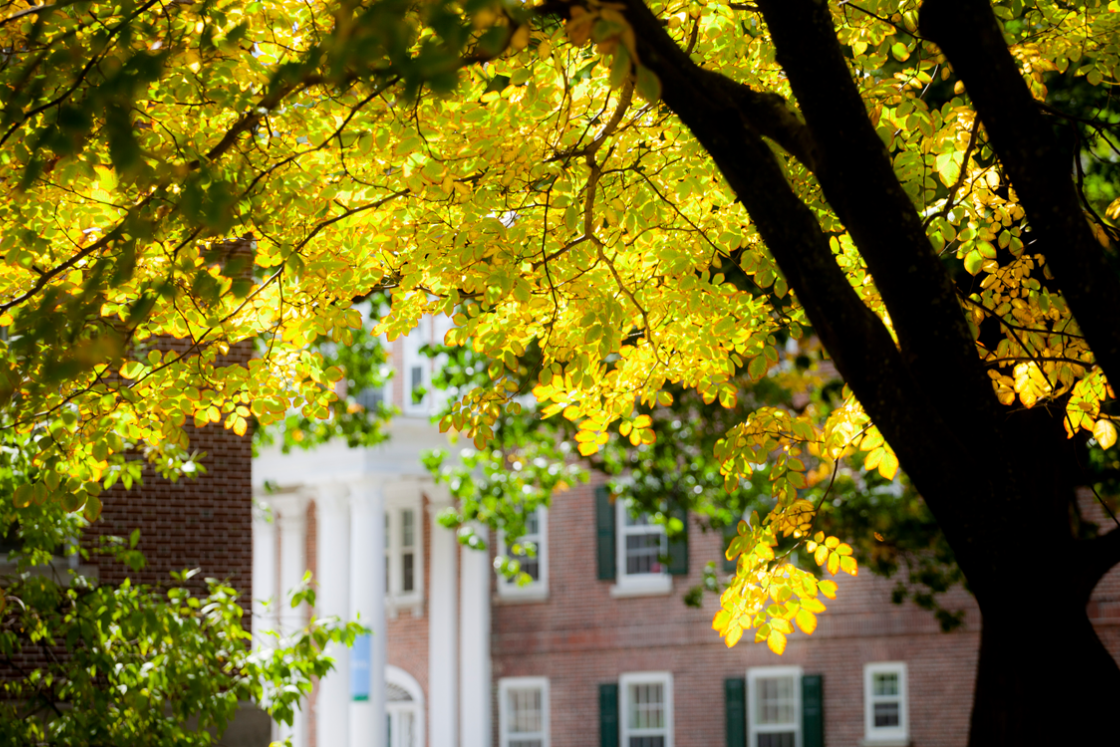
(527, 171)
(90, 663)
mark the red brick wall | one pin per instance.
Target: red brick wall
(582, 637)
(203, 523)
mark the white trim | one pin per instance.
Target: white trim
(505, 684)
(637, 584)
(476, 688)
(885, 735)
(399, 677)
(754, 674)
(665, 679)
(535, 590)
(420, 335)
(401, 497)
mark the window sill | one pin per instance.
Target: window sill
(394, 604)
(885, 742)
(523, 595)
(643, 587)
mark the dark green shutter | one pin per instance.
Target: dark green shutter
(812, 710)
(735, 696)
(678, 547)
(608, 715)
(605, 533)
(729, 533)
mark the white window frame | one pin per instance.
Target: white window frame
(754, 727)
(665, 679)
(885, 736)
(404, 680)
(505, 684)
(535, 590)
(637, 584)
(419, 336)
(397, 501)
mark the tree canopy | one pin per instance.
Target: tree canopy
(652, 197)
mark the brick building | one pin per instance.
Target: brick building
(203, 523)
(599, 649)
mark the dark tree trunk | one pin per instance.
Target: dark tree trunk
(1044, 677)
(998, 484)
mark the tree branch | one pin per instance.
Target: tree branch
(970, 36)
(858, 179)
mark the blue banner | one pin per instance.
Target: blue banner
(359, 668)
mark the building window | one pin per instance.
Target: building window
(885, 703)
(417, 370)
(523, 711)
(774, 715)
(642, 548)
(404, 709)
(647, 709)
(403, 579)
(535, 566)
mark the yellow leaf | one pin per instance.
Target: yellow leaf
(734, 633)
(721, 620)
(812, 605)
(828, 588)
(520, 38)
(806, 620)
(587, 448)
(833, 563)
(776, 642)
(848, 565)
(888, 465)
(821, 555)
(782, 626)
(1105, 433)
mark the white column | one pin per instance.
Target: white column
(266, 597)
(443, 636)
(367, 603)
(332, 705)
(264, 574)
(292, 521)
(474, 647)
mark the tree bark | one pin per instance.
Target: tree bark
(991, 478)
(1044, 677)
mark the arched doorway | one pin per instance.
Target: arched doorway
(404, 709)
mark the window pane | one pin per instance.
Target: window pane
(532, 524)
(408, 729)
(407, 573)
(408, 527)
(641, 520)
(775, 700)
(525, 714)
(885, 683)
(647, 706)
(526, 743)
(886, 714)
(647, 741)
(777, 739)
(531, 566)
(642, 551)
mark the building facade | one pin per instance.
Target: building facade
(599, 649)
